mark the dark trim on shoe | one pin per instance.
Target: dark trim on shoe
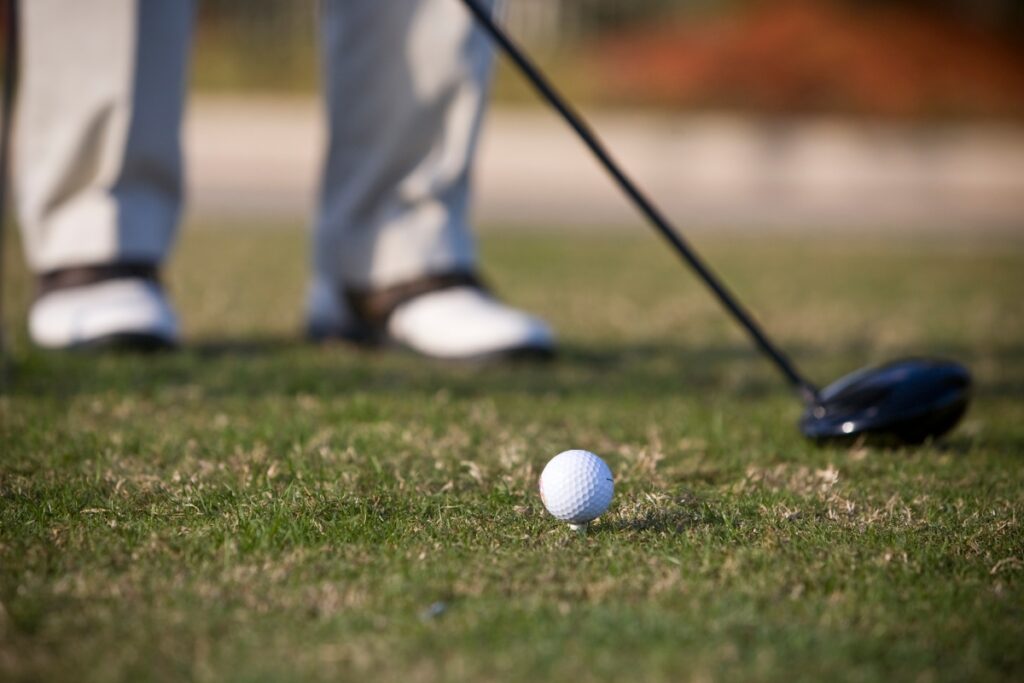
(82, 276)
(373, 307)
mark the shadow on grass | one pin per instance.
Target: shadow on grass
(670, 521)
(672, 516)
(285, 366)
(215, 349)
(282, 366)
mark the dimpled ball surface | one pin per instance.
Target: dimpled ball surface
(576, 486)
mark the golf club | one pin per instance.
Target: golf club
(906, 401)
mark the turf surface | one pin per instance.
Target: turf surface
(254, 509)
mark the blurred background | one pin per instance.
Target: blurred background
(736, 114)
(893, 58)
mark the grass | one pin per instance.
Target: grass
(254, 509)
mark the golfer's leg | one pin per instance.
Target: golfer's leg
(98, 158)
(98, 164)
(405, 83)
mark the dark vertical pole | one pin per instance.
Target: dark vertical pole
(7, 112)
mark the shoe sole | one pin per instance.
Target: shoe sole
(367, 341)
(522, 354)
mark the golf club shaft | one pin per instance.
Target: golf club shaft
(539, 81)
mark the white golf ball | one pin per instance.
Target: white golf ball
(576, 486)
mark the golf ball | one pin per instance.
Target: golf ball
(576, 486)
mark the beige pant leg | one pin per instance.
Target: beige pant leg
(98, 163)
(405, 85)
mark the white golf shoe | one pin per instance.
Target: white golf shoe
(452, 322)
(123, 312)
(466, 323)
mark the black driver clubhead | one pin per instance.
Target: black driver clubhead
(906, 401)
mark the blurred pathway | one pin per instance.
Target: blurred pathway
(253, 158)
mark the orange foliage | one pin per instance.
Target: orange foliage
(802, 55)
